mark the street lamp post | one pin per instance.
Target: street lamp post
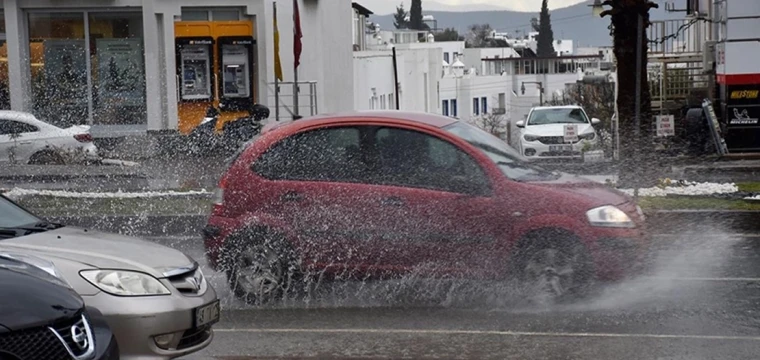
(540, 90)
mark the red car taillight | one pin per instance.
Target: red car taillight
(83, 138)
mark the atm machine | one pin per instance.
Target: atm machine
(235, 72)
(195, 69)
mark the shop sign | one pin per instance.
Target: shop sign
(665, 125)
(121, 75)
(571, 133)
(743, 115)
(744, 94)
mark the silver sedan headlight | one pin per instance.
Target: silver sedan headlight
(125, 283)
(609, 216)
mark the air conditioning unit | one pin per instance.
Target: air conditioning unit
(708, 55)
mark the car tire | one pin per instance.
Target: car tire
(552, 266)
(260, 266)
(46, 157)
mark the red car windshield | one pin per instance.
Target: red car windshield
(511, 163)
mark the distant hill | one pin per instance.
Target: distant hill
(570, 23)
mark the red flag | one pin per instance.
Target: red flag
(297, 35)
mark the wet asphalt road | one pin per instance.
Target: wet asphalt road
(700, 300)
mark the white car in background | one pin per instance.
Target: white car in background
(542, 135)
(24, 139)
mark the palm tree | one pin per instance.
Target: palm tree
(637, 165)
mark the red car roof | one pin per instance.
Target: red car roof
(393, 115)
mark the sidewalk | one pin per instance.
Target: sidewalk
(185, 172)
(178, 172)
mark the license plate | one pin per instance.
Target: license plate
(561, 148)
(207, 314)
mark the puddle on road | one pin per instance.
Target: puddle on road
(662, 286)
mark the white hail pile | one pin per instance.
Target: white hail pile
(18, 192)
(688, 189)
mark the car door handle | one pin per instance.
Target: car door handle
(392, 201)
(292, 196)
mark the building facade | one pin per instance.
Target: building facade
(131, 66)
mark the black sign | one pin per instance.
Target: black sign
(743, 116)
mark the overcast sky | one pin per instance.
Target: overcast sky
(382, 7)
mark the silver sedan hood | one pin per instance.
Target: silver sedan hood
(102, 250)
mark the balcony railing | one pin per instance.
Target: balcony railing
(675, 37)
(307, 99)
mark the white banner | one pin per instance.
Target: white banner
(666, 125)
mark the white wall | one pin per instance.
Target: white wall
(419, 79)
(564, 47)
(419, 71)
(550, 82)
(374, 70)
(473, 57)
(740, 57)
(468, 87)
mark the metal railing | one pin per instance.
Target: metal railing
(680, 36)
(676, 82)
(286, 95)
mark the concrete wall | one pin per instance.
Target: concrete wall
(419, 71)
(373, 78)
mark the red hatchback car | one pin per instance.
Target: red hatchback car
(380, 194)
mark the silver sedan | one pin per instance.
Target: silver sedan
(156, 299)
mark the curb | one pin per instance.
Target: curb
(661, 222)
(690, 221)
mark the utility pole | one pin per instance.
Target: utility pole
(395, 77)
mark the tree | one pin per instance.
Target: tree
(491, 123)
(415, 16)
(545, 46)
(478, 35)
(448, 34)
(598, 100)
(399, 18)
(637, 167)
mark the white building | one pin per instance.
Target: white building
(173, 60)
(530, 41)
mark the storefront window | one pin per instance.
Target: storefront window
(118, 69)
(74, 82)
(59, 67)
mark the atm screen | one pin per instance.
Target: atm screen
(235, 65)
(196, 71)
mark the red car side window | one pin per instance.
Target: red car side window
(330, 154)
(415, 159)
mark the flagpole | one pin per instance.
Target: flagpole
(276, 80)
(296, 61)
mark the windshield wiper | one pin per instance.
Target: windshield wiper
(44, 225)
(24, 230)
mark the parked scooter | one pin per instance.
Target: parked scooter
(241, 130)
(203, 138)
